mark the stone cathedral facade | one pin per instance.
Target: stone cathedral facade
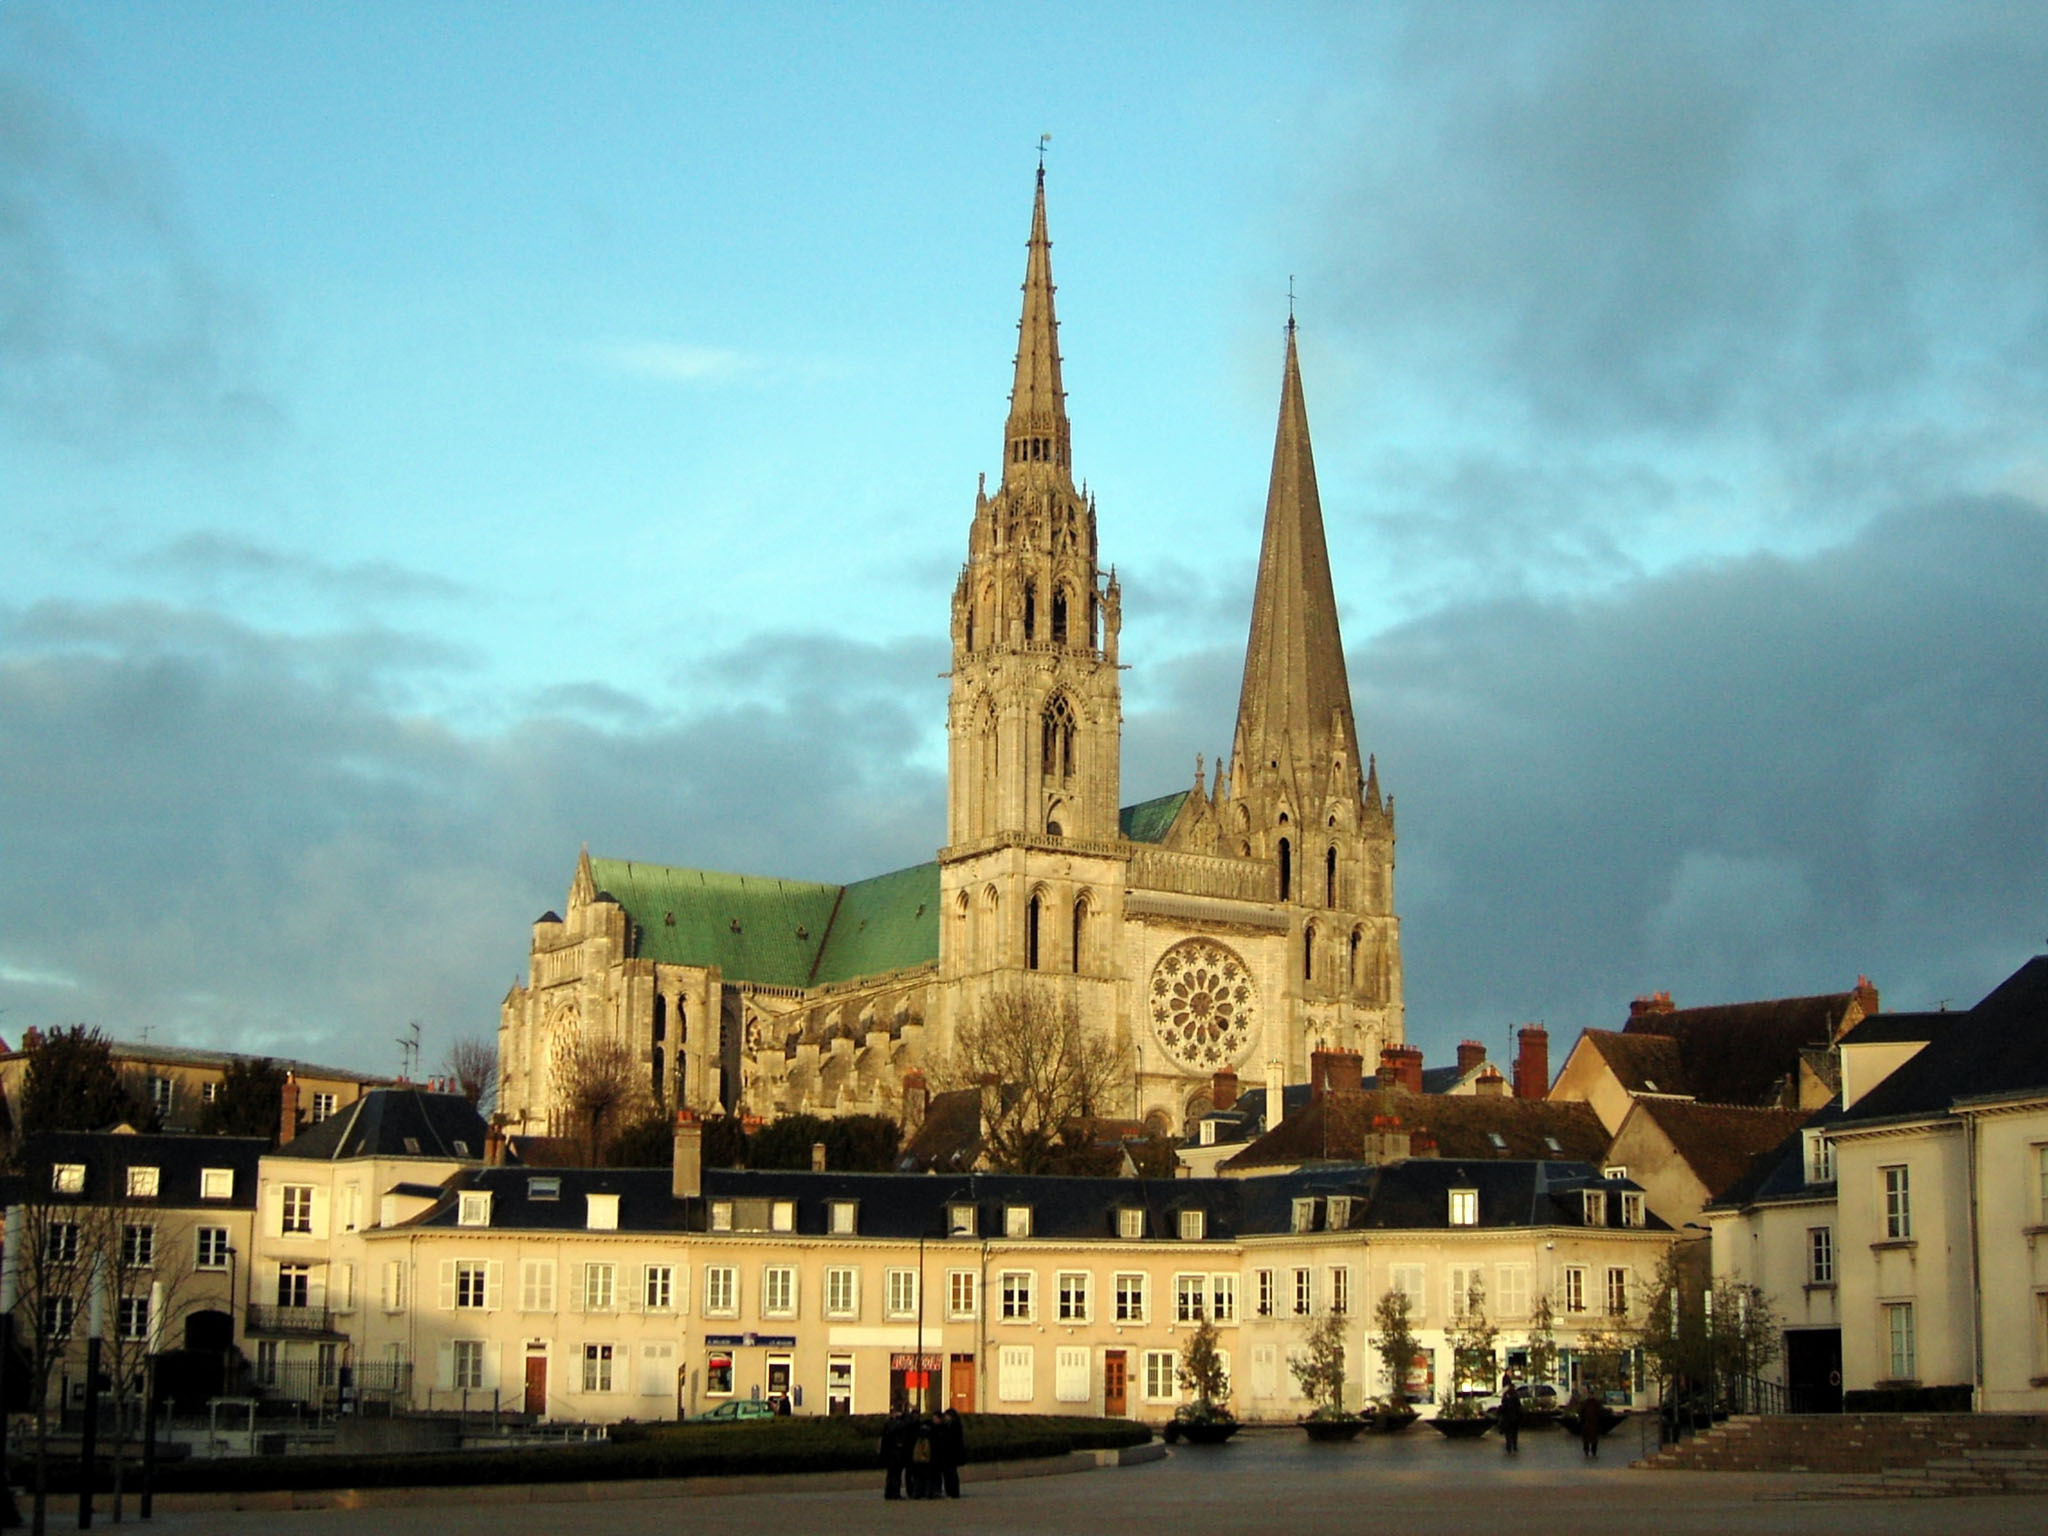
(1240, 923)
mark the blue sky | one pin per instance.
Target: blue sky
(432, 437)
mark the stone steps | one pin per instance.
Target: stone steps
(1872, 1455)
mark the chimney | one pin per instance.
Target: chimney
(1470, 1054)
(494, 1145)
(288, 1111)
(1866, 997)
(1490, 1084)
(917, 1099)
(817, 1157)
(687, 1182)
(1390, 1068)
(1223, 1088)
(1343, 1072)
(1532, 1062)
(1408, 1058)
(1387, 1141)
(1656, 1002)
(1276, 1093)
(1422, 1144)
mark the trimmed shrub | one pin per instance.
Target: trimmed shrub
(1908, 1400)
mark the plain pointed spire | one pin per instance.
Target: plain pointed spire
(1294, 712)
(1037, 432)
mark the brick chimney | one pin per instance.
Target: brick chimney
(1389, 1073)
(1656, 1002)
(1335, 1071)
(1387, 1141)
(1470, 1054)
(1408, 1066)
(1532, 1062)
(1223, 1088)
(288, 1111)
(1490, 1084)
(687, 1177)
(1422, 1144)
(1866, 997)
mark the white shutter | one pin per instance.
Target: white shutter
(1014, 1373)
(321, 1200)
(575, 1296)
(1071, 1375)
(447, 1285)
(491, 1353)
(680, 1293)
(316, 1286)
(444, 1369)
(494, 1285)
(273, 1209)
(345, 1287)
(635, 1299)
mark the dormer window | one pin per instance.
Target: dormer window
(721, 1215)
(67, 1179)
(1631, 1209)
(1016, 1221)
(549, 1188)
(782, 1216)
(1464, 1211)
(1593, 1207)
(1552, 1143)
(474, 1208)
(1208, 1133)
(1820, 1158)
(1500, 1142)
(216, 1183)
(843, 1217)
(1130, 1223)
(1337, 1213)
(143, 1183)
(960, 1220)
(1305, 1215)
(1614, 1171)
(601, 1212)
(1194, 1226)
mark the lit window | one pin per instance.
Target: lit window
(1820, 1255)
(1464, 1207)
(68, 1179)
(1130, 1298)
(143, 1183)
(216, 1183)
(474, 1209)
(1898, 1204)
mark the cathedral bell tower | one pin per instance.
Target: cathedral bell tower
(1035, 717)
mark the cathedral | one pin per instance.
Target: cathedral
(1236, 925)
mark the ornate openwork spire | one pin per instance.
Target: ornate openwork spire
(1295, 709)
(1036, 437)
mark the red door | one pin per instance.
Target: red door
(1113, 1383)
(537, 1385)
(960, 1384)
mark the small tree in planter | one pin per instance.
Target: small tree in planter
(1200, 1371)
(1471, 1338)
(1319, 1372)
(1394, 1339)
(1541, 1365)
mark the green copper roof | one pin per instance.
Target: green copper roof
(1147, 821)
(883, 924)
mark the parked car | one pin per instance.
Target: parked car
(740, 1410)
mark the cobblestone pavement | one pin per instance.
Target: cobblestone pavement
(1263, 1481)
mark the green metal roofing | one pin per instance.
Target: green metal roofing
(883, 924)
(1147, 821)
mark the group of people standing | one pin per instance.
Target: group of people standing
(1585, 1403)
(921, 1455)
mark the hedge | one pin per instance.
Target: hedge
(634, 1451)
(1953, 1399)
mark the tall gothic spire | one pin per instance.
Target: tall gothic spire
(1037, 432)
(1295, 709)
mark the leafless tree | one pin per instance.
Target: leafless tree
(49, 1261)
(597, 1088)
(1040, 1069)
(472, 1064)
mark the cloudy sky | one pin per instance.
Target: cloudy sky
(435, 437)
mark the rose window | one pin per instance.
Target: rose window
(1204, 1004)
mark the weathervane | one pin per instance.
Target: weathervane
(1290, 301)
(1043, 140)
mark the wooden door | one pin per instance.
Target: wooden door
(1113, 1383)
(537, 1385)
(960, 1384)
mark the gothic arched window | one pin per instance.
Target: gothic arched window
(1357, 943)
(1059, 615)
(1080, 934)
(1308, 953)
(1032, 910)
(1286, 870)
(1057, 753)
(1330, 877)
(1030, 610)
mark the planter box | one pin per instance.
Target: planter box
(1212, 1432)
(1461, 1429)
(1333, 1429)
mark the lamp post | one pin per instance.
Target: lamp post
(921, 1375)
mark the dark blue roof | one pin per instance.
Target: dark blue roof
(1998, 1047)
(108, 1155)
(395, 1122)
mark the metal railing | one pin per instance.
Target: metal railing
(270, 1320)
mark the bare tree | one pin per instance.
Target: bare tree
(1040, 1069)
(472, 1064)
(49, 1269)
(597, 1089)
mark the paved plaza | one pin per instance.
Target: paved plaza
(1264, 1482)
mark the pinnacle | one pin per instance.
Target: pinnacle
(1036, 437)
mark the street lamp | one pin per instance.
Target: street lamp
(920, 1374)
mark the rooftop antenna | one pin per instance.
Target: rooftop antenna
(409, 1050)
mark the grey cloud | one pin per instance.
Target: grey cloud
(216, 563)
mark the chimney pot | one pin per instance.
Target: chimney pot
(288, 1110)
(1470, 1054)
(1532, 1062)
(687, 1180)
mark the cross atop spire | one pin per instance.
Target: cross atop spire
(1295, 710)
(1036, 439)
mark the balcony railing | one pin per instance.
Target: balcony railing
(294, 1320)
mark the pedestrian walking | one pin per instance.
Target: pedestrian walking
(952, 1450)
(1511, 1418)
(1589, 1424)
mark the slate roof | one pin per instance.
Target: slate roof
(1412, 1194)
(107, 1155)
(1780, 1173)
(1743, 1053)
(1887, 1028)
(202, 1056)
(1148, 820)
(1720, 1142)
(394, 1122)
(1642, 1063)
(1245, 1119)
(949, 1137)
(1334, 1128)
(1999, 1047)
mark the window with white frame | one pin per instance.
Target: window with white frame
(842, 1291)
(1337, 1213)
(60, 1242)
(1304, 1215)
(1340, 1289)
(473, 1209)
(1262, 1291)
(472, 1284)
(1159, 1375)
(1071, 1295)
(1463, 1284)
(1190, 1298)
(1013, 1373)
(132, 1317)
(962, 1286)
(1130, 1222)
(143, 1182)
(843, 1217)
(1614, 1171)
(1071, 1378)
(296, 1209)
(1898, 1203)
(1130, 1298)
(537, 1285)
(1593, 1207)
(323, 1106)
(961, 1220)
(1820, 1255)
(721, 1215)
(67, 1179)
(778, 1290)
(1223, 1298)
(1304, 1292)
(658, 1287)
(1464, 1208)
(601, 1212)
(1902, 1348)
(597, 1368)
(1574, 1288)
(1820, 1158)
(721, 1290)
(1016, 1221)
(1511, 1290)
(1194, 1226)
(600, 1287)
(294, 1285)
(466, 1365)
(138, 1245)
(216, 1183)
(544, 1187)
(1631, 1208)
(900, 1295)
(212, 1249)
(1016, 1290)
(1617, 1291)
(1409, 1280)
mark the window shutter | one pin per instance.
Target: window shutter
(494, 1285)
(575, 1296)
(447, 1285)
(491, 1354)
(444, 1377)
(345, 1287)
(316, 1286)
(635, 1299)
(273, 1208)
(320, 1206)
(680, 1294)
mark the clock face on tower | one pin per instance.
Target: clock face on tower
(1204, 1005)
